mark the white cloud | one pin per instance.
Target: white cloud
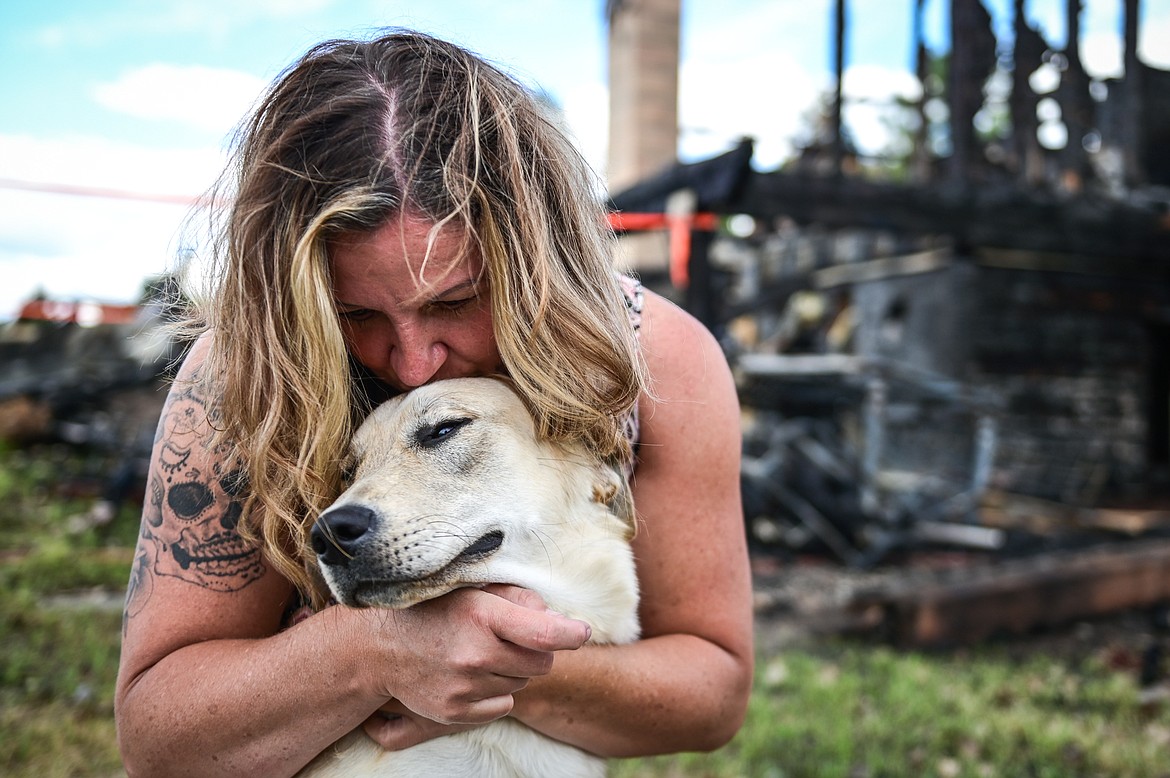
(1102, 47)
(208, 98)
(762, 94)
(735, 79)
(769, 96)
(91, 247)
(874, 82)
(586, 108)
(98, 162)
(763, 71)
(1153, 46)
(870, 112)
(1101, 54)
(81, 247)
(1102, 44)
(114, 23)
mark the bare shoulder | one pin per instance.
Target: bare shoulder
(691, 550)
(687, 366)
(191, 560)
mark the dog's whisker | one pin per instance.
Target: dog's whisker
(557, 462)
(540, 538)
(451, 533)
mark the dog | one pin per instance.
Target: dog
(452, 488)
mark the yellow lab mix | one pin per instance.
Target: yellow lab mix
(451, 488)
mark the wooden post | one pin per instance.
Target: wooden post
(1027, 55)
(972, 61)
(700, 293)
(921, 155)
(837, 142)
(1075, 105)
(1133, 138)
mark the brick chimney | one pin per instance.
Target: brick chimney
(643, 109)
(643, 88)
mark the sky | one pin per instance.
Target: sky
(141, 97)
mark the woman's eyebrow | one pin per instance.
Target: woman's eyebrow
(470, 283)
(428, 295)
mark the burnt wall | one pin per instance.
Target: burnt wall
(920, 320)
(1072, 357)
(1078, 360)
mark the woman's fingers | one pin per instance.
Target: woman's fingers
(461, 657)
(396, 727)
(533, 625)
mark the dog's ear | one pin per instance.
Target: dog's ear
(612, 488)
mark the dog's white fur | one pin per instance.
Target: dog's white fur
(452, 463)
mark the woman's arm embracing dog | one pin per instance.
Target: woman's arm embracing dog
(451, 488)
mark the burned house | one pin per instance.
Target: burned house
(995, 322)
(92, 377)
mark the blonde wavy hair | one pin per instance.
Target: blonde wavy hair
(355, 133)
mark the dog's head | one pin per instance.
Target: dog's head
(452, 488)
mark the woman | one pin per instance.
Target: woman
(402, 212)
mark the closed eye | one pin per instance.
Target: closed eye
(356, 315)
(453, 306)
(431, 436)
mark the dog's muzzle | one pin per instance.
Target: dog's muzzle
(338, 535)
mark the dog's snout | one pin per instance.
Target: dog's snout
(336, 535)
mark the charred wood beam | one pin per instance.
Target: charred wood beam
(920, 159)
(715, 182)
(837, 147)
(1017, 597)
(988, 217)
(699, 296)
(1133, 142)
(1027, 55)
(1076, 104)
(972, 61)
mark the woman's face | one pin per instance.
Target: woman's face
(406, 329)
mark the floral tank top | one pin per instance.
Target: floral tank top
(635, 298)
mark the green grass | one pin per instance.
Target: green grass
(58, 661)
(855, 710)
(832, 708)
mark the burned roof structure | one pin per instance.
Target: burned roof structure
(995, 316)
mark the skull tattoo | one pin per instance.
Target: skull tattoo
(199, 542)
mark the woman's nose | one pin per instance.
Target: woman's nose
(416, 356)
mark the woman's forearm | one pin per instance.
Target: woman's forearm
(268, 705)
(664, 694)
(244, 707)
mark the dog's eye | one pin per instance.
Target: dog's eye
(434, 435)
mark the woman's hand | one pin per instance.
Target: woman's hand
(395, 727)
(459, 658)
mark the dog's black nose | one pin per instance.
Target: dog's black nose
(336, 535)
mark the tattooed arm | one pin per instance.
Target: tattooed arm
(208, 685)
(195, 487)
